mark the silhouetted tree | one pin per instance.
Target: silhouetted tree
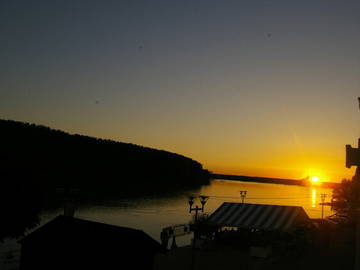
(20, 205)
(36, 160)
(346, 197)
(94, 165)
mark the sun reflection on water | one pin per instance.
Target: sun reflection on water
(313, 197)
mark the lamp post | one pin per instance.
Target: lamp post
(322, 196)
(203, 200)
(243, 195)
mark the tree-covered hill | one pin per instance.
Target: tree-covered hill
(36, 161)
(50, 159)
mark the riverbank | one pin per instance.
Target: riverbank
(268, 180)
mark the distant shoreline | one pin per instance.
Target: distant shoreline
(268, 180)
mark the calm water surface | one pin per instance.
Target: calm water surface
(153, 214)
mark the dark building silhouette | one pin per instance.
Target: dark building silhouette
(259, 216)
(72, 243)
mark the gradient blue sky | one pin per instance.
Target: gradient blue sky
(264, 88)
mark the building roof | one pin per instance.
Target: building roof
(257, 216)
(74, 230)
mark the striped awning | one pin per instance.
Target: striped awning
(257, 216)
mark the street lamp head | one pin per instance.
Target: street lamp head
(191, 201)
(203, 200)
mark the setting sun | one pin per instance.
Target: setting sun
(315, 180)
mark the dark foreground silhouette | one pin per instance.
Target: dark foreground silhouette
(38, 163)
(72, 243)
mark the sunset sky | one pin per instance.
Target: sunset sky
(259, 88)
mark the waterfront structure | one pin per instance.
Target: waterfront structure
(353, 159)
(259, 217)
(71, 243)
(352, 155)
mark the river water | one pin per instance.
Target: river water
(152, 214)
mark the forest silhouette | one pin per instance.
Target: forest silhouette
(36, 161)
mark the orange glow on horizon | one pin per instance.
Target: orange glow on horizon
(314, 176)
(270, 158)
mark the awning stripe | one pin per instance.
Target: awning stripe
(247, 210)
(218, 212)
(266, 224)
(265, 216)
(228, 213)
(236, 215)
(258, 216)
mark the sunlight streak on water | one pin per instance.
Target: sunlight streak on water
(313, 198)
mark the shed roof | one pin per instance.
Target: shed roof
(257, 216)
(75, 230)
